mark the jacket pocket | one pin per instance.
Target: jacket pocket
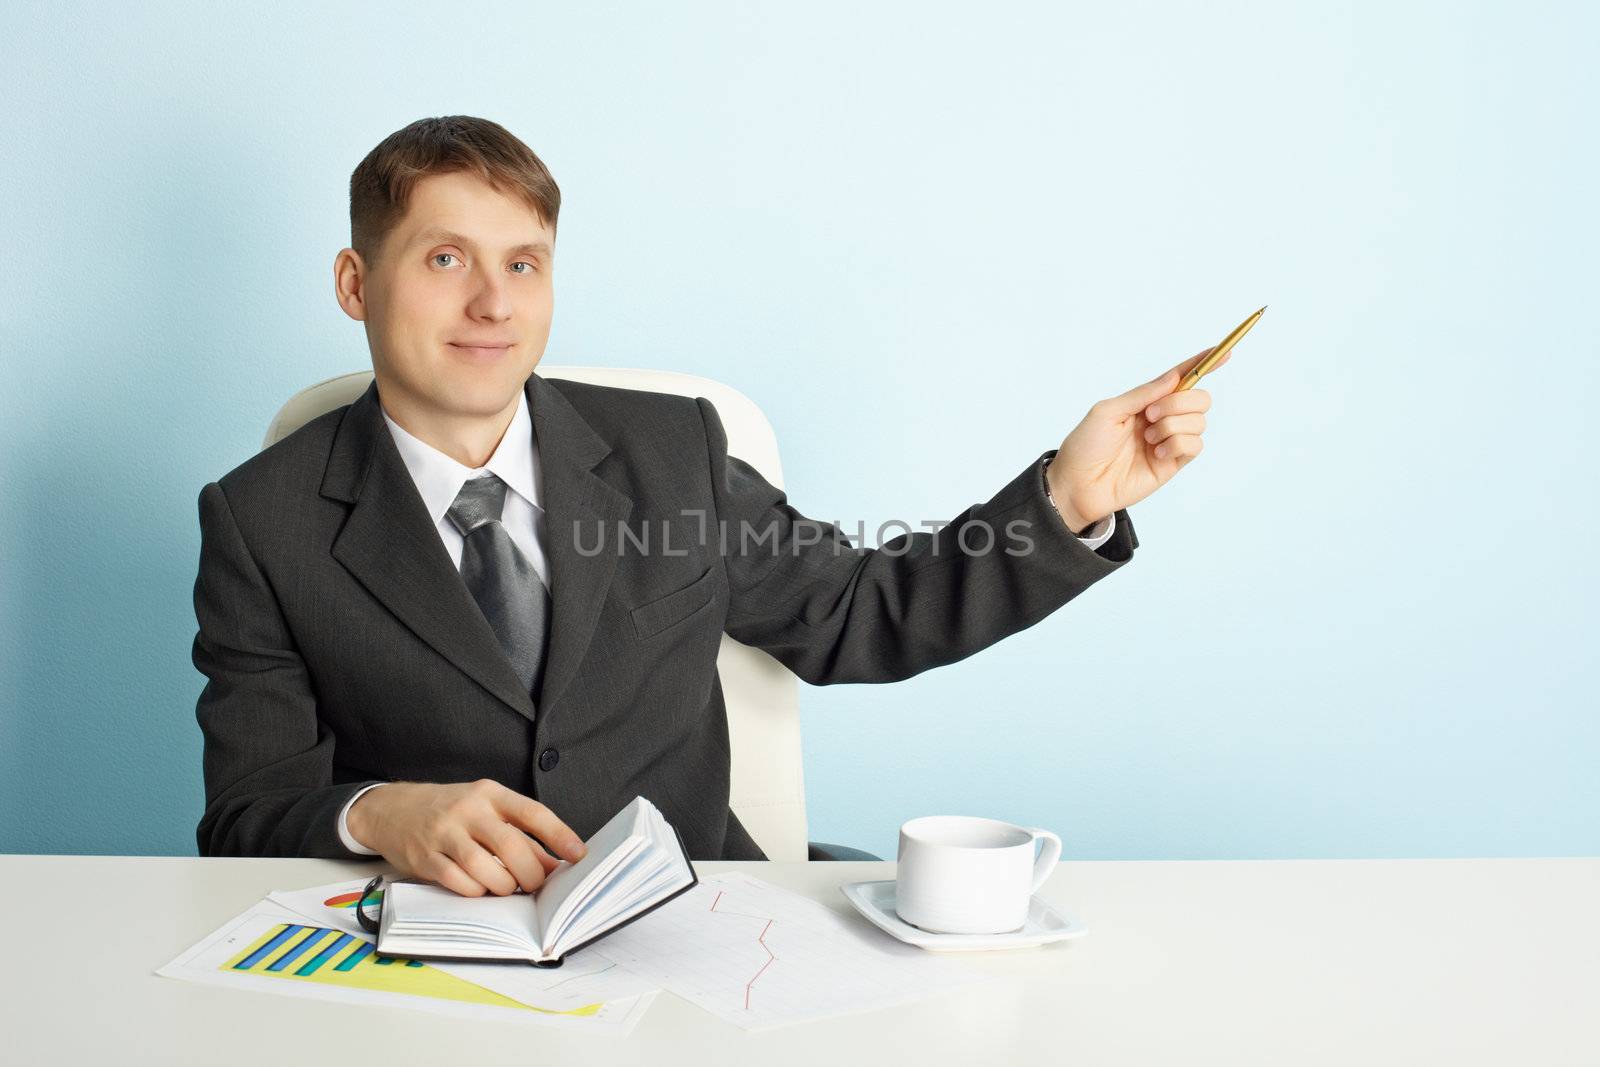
(662, 612)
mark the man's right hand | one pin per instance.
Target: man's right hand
(467, 836)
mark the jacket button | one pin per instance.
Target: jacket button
(547, 759)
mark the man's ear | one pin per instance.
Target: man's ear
(350, 283)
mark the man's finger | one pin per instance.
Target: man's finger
(1196, 399)
(448, 873)
(480, 863)
(1135, 399)
(515, 850)
(542, 823)
(549, 861)
(1193, 361)
(1192, 422)
(1180, 446)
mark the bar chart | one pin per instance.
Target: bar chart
(319, 954)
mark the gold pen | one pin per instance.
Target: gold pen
(1199, 370)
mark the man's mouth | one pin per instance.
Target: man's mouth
(479, 351)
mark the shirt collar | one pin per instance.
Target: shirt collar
(439, 477)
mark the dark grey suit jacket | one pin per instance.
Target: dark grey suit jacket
(341, 646)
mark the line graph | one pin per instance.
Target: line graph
(762, 940)
(720, 945)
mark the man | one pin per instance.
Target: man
(422, 633)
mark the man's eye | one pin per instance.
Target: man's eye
(443, 255)
(525, 263)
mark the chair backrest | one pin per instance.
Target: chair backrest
(762, 695)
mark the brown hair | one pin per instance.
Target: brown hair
(381, 184)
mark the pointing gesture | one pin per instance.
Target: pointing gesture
(1129, 446)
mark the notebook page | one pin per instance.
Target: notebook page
(435, 912)
(666, 842)
(612, 844)
(659, 885)
(658, 869)
(622, 884)
(596, 908)
(662, 867)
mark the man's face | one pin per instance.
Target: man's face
(457, 305)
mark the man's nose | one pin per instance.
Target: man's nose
(491, 299)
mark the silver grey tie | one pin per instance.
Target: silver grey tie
(500, 578)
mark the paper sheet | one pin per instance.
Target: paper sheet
(585, 977)
(761, 956)
(272, 949)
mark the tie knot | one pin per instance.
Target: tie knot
(481, 500)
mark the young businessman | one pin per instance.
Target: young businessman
(424, 634)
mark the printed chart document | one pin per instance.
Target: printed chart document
(760, 956)
(272, 949)
(586, 979)
(636, 862)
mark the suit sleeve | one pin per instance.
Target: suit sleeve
(268, 758)
(832, 612)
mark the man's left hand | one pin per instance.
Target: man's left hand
(1129, 446)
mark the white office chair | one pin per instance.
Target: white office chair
(762, 695)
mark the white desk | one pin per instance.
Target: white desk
(1296, 962)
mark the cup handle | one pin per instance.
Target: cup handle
(1049, 856)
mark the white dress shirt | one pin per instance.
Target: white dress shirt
(439, 478)
(516, 461)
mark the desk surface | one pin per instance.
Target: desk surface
(1239, 962)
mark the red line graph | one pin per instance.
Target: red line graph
(762, 940)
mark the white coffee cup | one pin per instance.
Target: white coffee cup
(959, 874)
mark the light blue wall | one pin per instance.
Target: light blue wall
(1361, 624)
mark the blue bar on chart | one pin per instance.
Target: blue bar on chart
(299, 949)
(355, 957)
(325, 955)
(283, 934)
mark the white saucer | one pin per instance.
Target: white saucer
(1045, 924)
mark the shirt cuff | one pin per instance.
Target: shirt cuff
(1094, 536)
(344, 831)
(1100, 532)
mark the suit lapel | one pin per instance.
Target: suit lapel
(581, 510)
(390, 545)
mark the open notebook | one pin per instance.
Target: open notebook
(636, 862)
